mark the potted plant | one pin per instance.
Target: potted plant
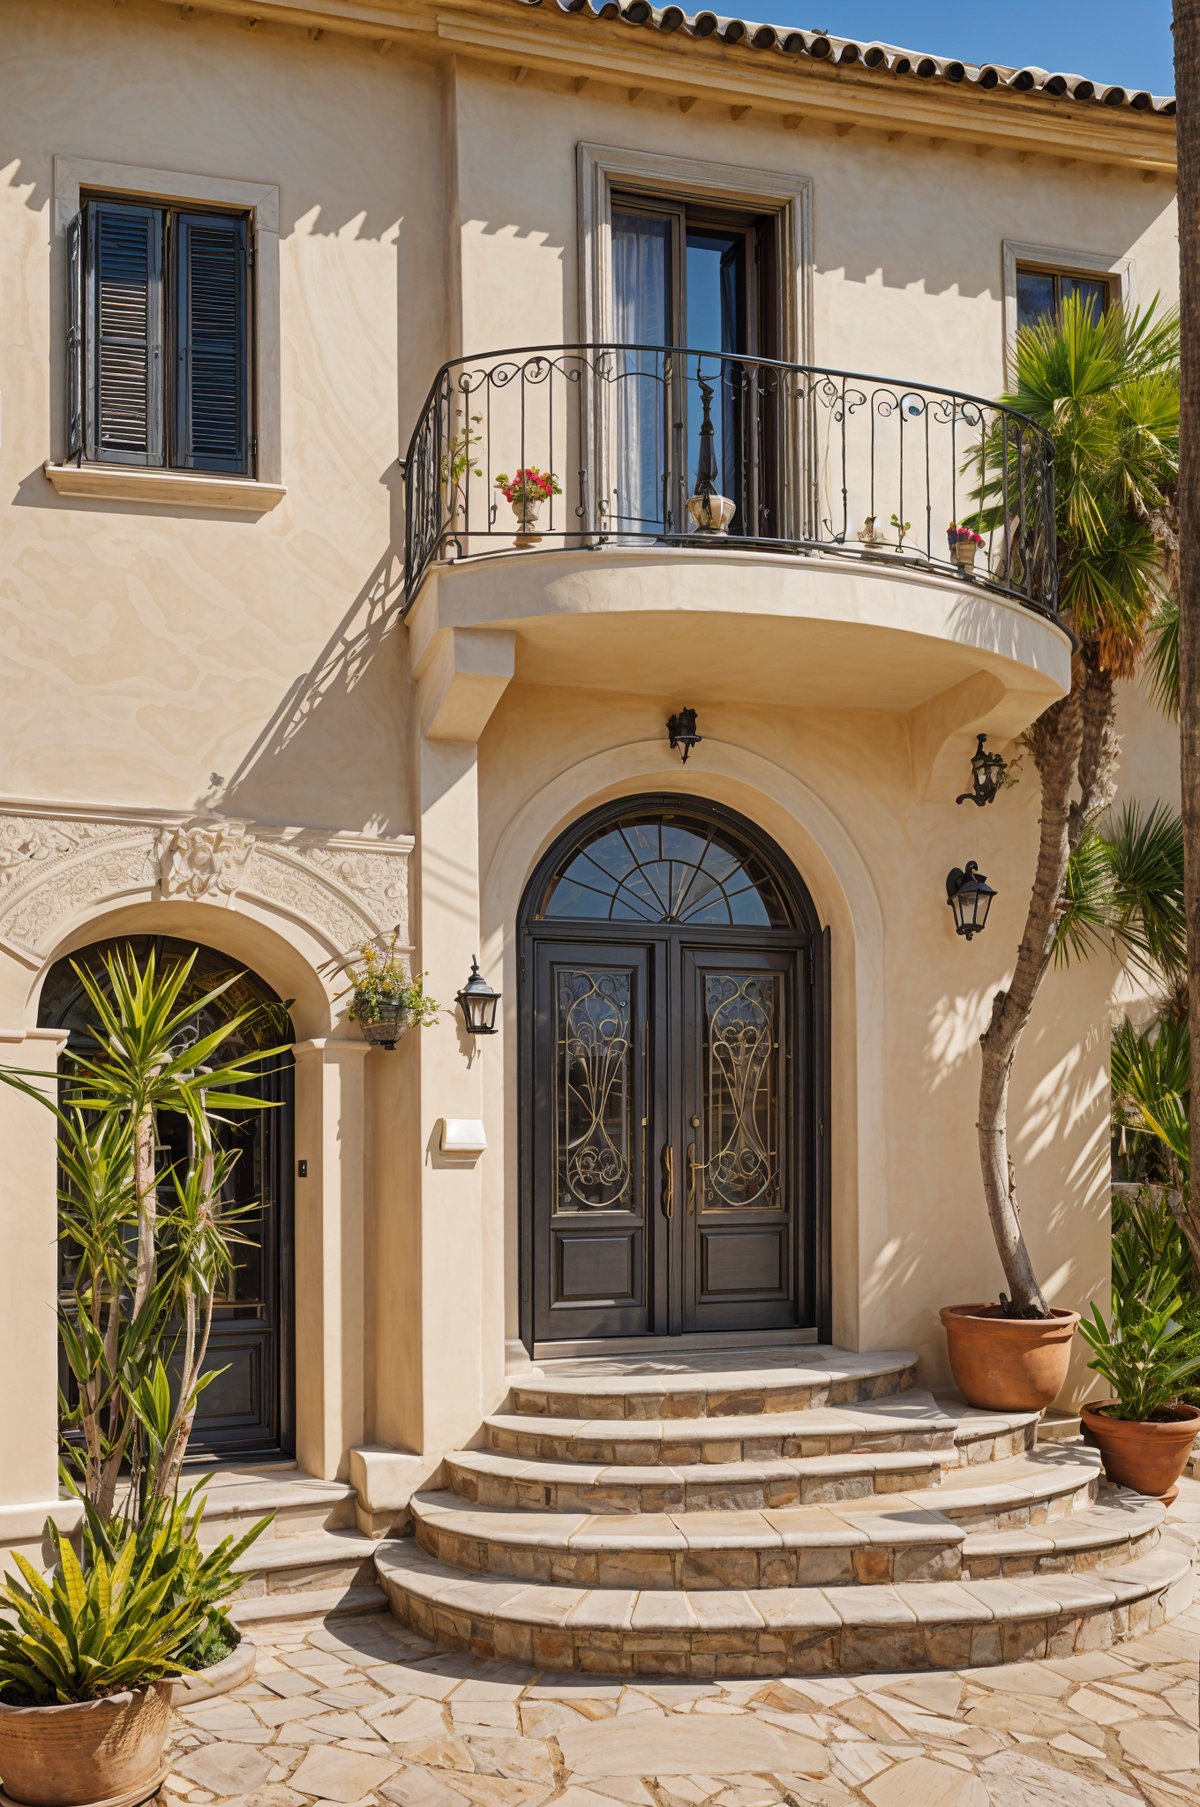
(459, 465)
(964, 544)
(87, 1655)
(1091, 383)
(1145, 1352)
(88, 1652)
(386, 1000)
(526, 491)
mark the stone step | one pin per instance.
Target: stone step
(498, 1480)
(288, 1565)
(1119, 1528)
(775, 1631)
(892, 1537)
(1026, 1490)
(724, 1384)
(274, 1611)
(300, 1503)
(911, 1420)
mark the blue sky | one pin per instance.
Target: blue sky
(1126, 41)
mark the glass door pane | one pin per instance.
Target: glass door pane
(643, 260)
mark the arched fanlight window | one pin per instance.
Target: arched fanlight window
(666, 868)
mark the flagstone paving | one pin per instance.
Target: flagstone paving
(363, 1711)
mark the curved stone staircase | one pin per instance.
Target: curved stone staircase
(770, 1512)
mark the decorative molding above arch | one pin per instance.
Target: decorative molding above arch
(60, 864)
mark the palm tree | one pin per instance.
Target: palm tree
(1106, 388)
(1187, 91)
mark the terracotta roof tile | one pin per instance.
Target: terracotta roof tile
(823, 47)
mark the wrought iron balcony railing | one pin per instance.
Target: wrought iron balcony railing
(590, 446)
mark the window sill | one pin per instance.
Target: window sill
(189, 489)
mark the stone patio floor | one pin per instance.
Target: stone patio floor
(361, 1711)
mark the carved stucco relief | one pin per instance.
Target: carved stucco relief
(55, 870)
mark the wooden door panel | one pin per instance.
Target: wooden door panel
(592, 1255)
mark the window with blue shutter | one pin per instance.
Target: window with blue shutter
(158, 337)
(211, 415)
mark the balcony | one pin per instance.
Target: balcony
(692, 486)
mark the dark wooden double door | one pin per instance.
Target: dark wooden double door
(667, 1132)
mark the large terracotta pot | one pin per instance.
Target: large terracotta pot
(1148, 1455)
(1008, 1364)
(108, 1751)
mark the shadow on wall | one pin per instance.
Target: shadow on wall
(346, 698)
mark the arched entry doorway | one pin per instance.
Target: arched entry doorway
(674, 1007)
(247, 1410)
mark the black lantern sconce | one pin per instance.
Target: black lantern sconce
(478, 1002)
(970, 897)
(681, 729)
(987, 775)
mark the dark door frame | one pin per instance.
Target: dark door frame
(277, 1128)
(809, 939)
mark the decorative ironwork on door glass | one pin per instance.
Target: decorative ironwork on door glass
(594, 1086)
(740, 1057)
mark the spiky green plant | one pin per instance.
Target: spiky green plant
(1124, 886)
(133, 1608)
(1148, 1349)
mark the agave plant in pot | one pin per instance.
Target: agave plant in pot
(88, 1652)
(1146, 1352)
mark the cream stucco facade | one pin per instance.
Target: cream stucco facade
(183, 651)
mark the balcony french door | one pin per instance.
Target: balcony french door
(670, 1090)
(683, 276)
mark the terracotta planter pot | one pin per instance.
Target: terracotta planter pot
(108, 1752)
(1008, 1364)
(1147, 1455)
(963, 553)
(218, 1678)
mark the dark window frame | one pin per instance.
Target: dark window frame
(170, 375)
(1065, 272)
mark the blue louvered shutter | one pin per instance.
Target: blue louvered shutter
(74, 383)
(124, 410)
(212, 343)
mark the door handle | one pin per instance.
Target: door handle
(694, 1167)
(668, 1180)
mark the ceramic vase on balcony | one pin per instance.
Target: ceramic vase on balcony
(964, 553)
(710, 512)
(527, 510)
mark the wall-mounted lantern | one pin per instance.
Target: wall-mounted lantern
(478, 1002)
(987, 775)
(681, 730)
(970, 897)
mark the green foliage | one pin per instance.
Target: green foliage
(1162, 657)
(1149, 1348)
(1151, 1084)
(151, 1243)
(1124, 885)
(382, 987)
(139, 1605)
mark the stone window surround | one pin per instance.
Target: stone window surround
(602, 167)
(1117, 267)
(260, 200)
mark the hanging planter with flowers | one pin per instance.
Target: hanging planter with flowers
(526, 491)
(386, 999)
(964, 544)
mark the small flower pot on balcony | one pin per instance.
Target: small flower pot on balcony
(527, 510)
(711, 514)
(963, 553)
(1147, 1454)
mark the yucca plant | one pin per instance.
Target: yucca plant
(1148, 1349)
(150, 1244)
(131, 1609)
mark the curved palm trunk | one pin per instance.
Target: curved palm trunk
(1055, 741)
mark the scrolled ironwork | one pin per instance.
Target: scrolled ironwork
(814, 459)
